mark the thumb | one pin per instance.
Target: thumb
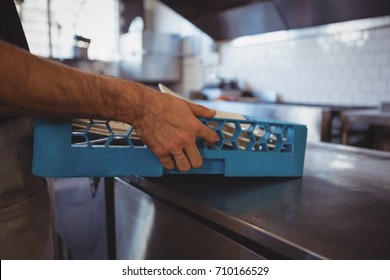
(201, 111)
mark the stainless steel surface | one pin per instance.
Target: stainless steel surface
(80, 218)
(225, 20)
(152, 68)
(305, 13)
(148, 228)
(250, 19)
(338, 210)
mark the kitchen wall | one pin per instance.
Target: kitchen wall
(339, 64)
(346, 68)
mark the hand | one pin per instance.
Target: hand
(169, 127)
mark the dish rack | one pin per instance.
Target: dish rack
(95, 148)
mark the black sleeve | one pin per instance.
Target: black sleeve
(11, 29)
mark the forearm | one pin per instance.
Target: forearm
(33, 86)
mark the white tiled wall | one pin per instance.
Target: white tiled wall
(342, 68)
(350, 68)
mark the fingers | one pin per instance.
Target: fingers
(187, 159)
(167, 161)
(182, 162)
(172, 134)
(194, 156)
(208, 134)
(201, 111)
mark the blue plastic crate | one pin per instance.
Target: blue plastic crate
(251, 147)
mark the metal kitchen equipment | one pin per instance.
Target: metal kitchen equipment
(251, 147)
(225, 20)
(149, 56)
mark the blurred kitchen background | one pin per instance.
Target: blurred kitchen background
(324, 63)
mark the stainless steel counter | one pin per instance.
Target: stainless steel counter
(339, 209)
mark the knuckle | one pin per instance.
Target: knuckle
(198, 126)
(160, 152)
(176, 151)
(188, 142)
(185, 140)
